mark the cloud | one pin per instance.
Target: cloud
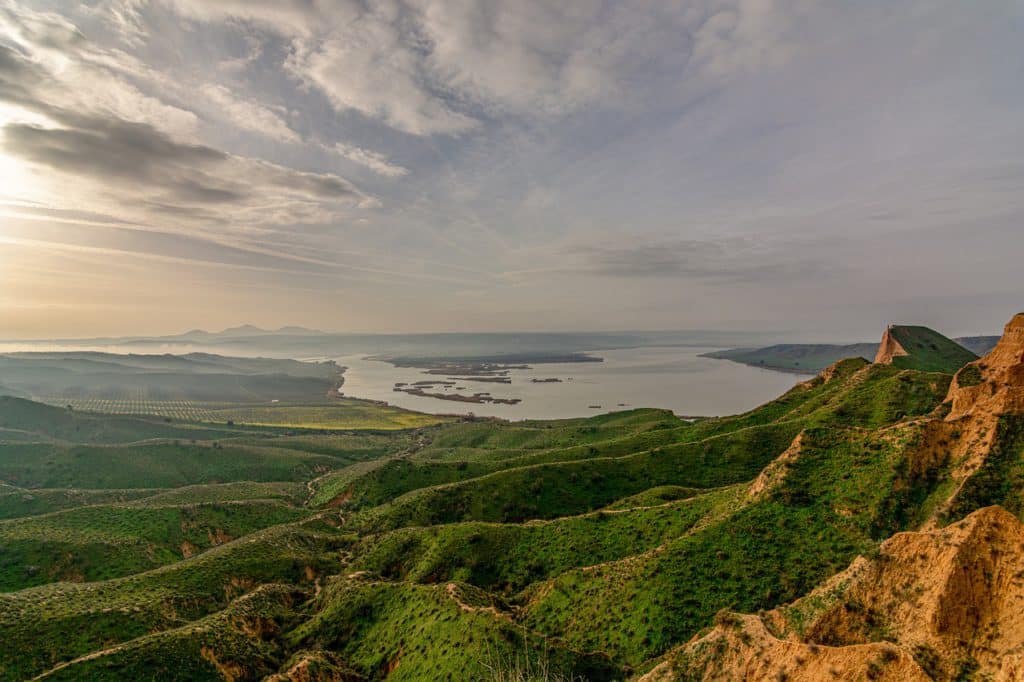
(711, 146)
(427, 67)
(151, 175)
(247, 114)
(149, 165)
(366, 66)
(375, 161)
(737, 260)
(71, 73)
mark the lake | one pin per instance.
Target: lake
(675, 378)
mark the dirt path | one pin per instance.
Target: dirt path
(82, 659)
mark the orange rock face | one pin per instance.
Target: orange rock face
(993, 384)
(888, 349)
(929, 604)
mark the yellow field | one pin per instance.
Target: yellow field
(339, 414)
(342, 415)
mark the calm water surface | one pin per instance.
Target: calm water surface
(674, 378)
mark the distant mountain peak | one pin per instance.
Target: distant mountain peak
(252, 330)
(292, 329)
(244, 330)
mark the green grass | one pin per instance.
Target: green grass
(422, 632)
(558, 489)
(18, 502)
(583, 546)
(346, 446)
(970, 375)
(23, 420)
(796, 357)
(831, 505)
(339, 414)
(509, 557)
(294, 493)
(157, 465)
(46, 625)
(108, 541)
(243, 638)
(929, 351)
(547, 482)
(1000, 480)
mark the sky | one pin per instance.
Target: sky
(819, 166)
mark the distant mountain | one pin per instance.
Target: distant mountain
(921, 348)
(247, 330)
(979, 345)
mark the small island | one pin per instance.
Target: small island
(423, 389)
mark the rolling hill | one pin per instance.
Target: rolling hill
(814, 357)
(921, 348)
(865, 524)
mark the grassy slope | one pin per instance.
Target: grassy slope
(655, 506)
(1001, 479)
(712, 453)
(24, 420)
(929, 351)
(832, 505)
(46, 625)
(796, 357)
(108, 541)
(436, 632)
(339, 414)
(813, 357)
(157, 465)
(509, 557)
(243, 640)
(19, 502)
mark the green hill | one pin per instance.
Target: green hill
(921, 348)
(570, 549)
(796, 357)
(814, 357)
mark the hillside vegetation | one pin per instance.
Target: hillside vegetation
(846, 526)
(921, 348)
(814, 357)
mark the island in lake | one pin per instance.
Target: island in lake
(495, 369)
(420, 388)
(485, 365)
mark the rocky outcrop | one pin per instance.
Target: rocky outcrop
(931, 606)
(743, 648)
(993, 384)
(921, 348)
(889, 349)
(982, 392)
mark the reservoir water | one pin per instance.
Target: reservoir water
(675, 378)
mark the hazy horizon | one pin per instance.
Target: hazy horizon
(405, 166)
(768, 336)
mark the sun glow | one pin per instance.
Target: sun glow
(19, 181)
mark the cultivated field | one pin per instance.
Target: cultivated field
(335, 414)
